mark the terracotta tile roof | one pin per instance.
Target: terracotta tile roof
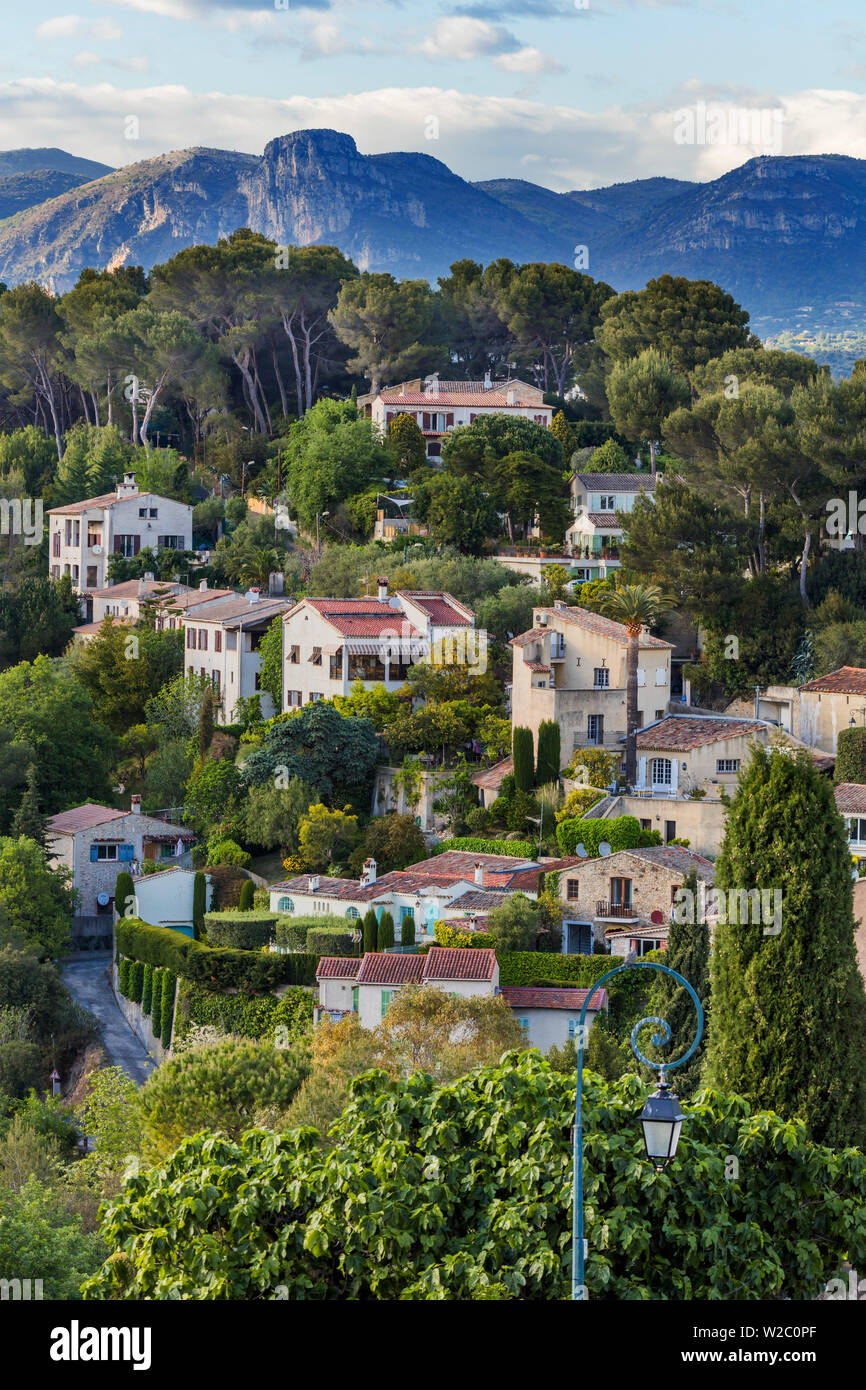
(680, 732)
(656, 931)
(461, 863)
(328, 887)
(674, 857)
(480, 900)
(524, 639)
(384, 969)
(106, 499)
(851, 799)
(133, 588)
(458, 963)
(93, 629)
(351, 889)
(604, 521)
(85, 817)
(237, 611)
(848, 680)
(537, 666)
(617, 482)
(525, 997)
(364, 617)
(492, 777)
(489, 400)
(193, 597)
(592, 622)
(441, 607)
(337, 968)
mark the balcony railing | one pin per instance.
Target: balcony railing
(607, 909)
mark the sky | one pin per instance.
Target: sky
(564, 93)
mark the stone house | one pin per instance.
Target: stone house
(611, 898)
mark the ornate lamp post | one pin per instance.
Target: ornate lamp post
(661, 1119)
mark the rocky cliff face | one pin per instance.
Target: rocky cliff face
(784, 235)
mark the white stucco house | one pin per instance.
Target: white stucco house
(82, 536)
(221, 643)
(165, 899)
(440, 406)
(550, 1017)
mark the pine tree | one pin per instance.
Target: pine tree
(524, 760)
(205, 722)
(688, 952)
(29, 820)
(371, 930)
(199, 903)
(788, 1027)
(548, 760)
(385, 934)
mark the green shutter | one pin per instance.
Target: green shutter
(355, 999)
(386, 1000)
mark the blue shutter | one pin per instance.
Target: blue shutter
(94, 853)
(125, 852)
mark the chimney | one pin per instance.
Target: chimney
(142, 587)
(383, 589)
(202, 584)
(369, 874)
(135, 804)
(479, 873)
(254, 594)
(487, 382)
(314, 883)
(129, 487)
(511, 398)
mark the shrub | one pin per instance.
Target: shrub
(850, 756)
(621, 832)
(385, 933)
(123, 892)
(226, 881)
(245, 902)
(123, 977)
(156, 1004)
(136, 981)
(261, 899)
(578, 802)
(521, 849)
(218, 967)
(227, 852)
(548, 760)
(199, 903)
(371, 930)
(246, 1017)
(244, 930)
(147, 991)
(292, 932)
(169, 982)
(330, 941)
(524, 759)
(593, 766)
(407, 931)
(446, 935)
(22, 1068)
(533, 967)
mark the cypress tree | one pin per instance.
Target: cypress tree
(524, 761)
(136, 981)
(385, 935)
(688, 952)
(169, 981)
(156, 1002)
(29, 820)
(407, 931)
(147, 991)
(199, 901)
(788, 1008)
(123, 977)
(371, 930)
(123, 892)
(205, 722)
(245, 902)
(548, 761)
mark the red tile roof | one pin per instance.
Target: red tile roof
(480, 899)
(441, 607)
(461, 862)
(848, 680)
(604, 521)
(490, 400)
(851, 799)
(362, 617)
(105, 499)
(85, 817)
(492, 777)
(590, 622)
(337, 968)
(459, 963)
(380, 968)
(525, 997)
(683, 732)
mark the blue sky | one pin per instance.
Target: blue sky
(565, 94)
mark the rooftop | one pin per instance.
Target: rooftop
(851, 799)
(617, 482)
(337, 968)
(525, 997)
(590, 622)
(681, 732)
(381, 968)
(240, 611)
(847, 680)
(456, 963)
(84, 817)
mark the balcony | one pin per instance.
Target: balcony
(614, 912)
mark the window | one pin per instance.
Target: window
(524, 1023)
(169, 543)
(856, 829)
(572, 889)
(294, 655)
(104, 851)
(202, 639)
(315, 695)
(620, 892)
(293, 698)
(670, 831)
(153, 512)
(606, 503)
(336, 666)
(215, 679)
(646, 823)
(572, 1029)
(353, 913)
(727, 764)
(92, 581)
(386, 1000)
(661, 772)
(595, 728)
(659, 714)
(55, 544)
(127, 546)
(217, 641)
(110, 853)
(190, 637)
(142, 511)
(55, 571)
(354, 998)
(602, 678)
(285, 905)
(257, 681)
(316, 657)
(94, 538)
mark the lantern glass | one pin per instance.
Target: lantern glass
(662, 1121)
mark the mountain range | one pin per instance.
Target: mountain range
(783, 234)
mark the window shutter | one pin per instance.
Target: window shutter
(449, 420)
(386, 1000)
(125, 852)
(94, 853)
(118, 545)
(355, 999)
(426, 419)
(136, 544)
(641, 772)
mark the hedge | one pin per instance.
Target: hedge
(292, 931)
(156, 1005)
(850, 756)
(136, 981)
(447, 935)
(330, 941)
(519, 849)
(169, 982)
(575, 972)
(249, 1018)
(620, 832)
(147, 991)
(246, 931)
(216, 967)
(123, 977)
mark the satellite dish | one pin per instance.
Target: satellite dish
(581, 850)
(604, 849)
(102, 899)
(657, 916)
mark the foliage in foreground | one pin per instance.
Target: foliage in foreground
(464, 1191)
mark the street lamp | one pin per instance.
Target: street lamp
(661, 1118)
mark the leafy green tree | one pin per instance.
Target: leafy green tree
(549, 753)
(94, 461)
(124, 895)
(273, 814)
(515, 924)
(326, 837)
(636, 606)
(123, 669)
(508, 612)
(387, 323)
(332, 453)
(407, 443)
(687, 321)
(212, 793)
(407, 931)
(271, 663)
(609, 457)
(551, 310)
(565, 434)
(523, 748)
(36, 902)
(318, 745)
(176, 707)
(205, 722)
(168, 772)
(457, 511)
(393, 841)
(777, 986)
(109, 1116)
(27, 452)
(36, 616)
(370, 927)
(406, 1141)
(216, 1087)
(38, 1233)
(30, 326)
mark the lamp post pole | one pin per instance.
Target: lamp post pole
(578, 1287)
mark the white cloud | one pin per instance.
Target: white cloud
(527, 60)
(85, 59)
(104, 29)
(325, 39)
(62, 26)
(480, 137)
(461, 37)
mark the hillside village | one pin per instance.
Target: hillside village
(350, 741)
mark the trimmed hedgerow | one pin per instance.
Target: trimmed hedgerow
(123, 977)
(330, 941)
(242, 930)
(258, 1017)
(517, 849)
(147, 991)
(169, 982)
(216, 967)
(136, 981)
(574, 972)
(156, 1004)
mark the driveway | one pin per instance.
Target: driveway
(87, 981)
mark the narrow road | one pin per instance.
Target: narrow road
(87, 981)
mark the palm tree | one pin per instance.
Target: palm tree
(636, 606)
(257, 566)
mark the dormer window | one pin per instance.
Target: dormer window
(606, 503)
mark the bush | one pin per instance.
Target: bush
(169, 982)
(22, 1068)
(621, 832)
(123, 977)
(850, 756)
(330, 941)
(228, 852)
(227, 881)
(246, 1017)
(244, 930)
(520, 849)
(246, 900)
(147, 991)
(407, 931)
(446, 935)
(123, 892)
(292, 932)
(385, 933)
(218, 967)
(136, 981)
(578, 802)
(156, 1004)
